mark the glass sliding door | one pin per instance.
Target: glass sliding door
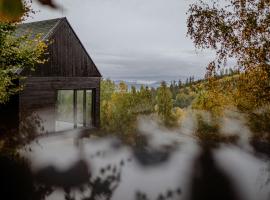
(89, 108)
(74, 109)
(80, 108)
(64, 110)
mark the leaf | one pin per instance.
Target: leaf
(11, 10)
(48, 3)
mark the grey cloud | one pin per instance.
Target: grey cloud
(136, 64)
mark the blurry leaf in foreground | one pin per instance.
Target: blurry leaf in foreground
(48, 3)
(14, 10)
(11, 10)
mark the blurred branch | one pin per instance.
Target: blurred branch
(49, 3)
(14, 10)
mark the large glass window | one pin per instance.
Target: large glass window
(64, 110)
(73, 109)
(80, 108)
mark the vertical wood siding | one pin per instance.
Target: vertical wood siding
(66, 56)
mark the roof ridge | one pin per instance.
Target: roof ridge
(52, 19)
(53, 28)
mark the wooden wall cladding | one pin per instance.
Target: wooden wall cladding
(40, 95)
(67, 56)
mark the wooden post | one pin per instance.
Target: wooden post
(93, 109)
(84, 108)
(75, 108)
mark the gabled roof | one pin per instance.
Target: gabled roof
(44, 28)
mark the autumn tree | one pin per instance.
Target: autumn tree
(117, 108)
(239, 30)
(107, 87)
(165, 104)
(17, 53)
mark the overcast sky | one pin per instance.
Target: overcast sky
(133, 38)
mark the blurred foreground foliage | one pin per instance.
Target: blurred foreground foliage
(15, 10)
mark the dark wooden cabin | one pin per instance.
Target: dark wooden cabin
(66, 89)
